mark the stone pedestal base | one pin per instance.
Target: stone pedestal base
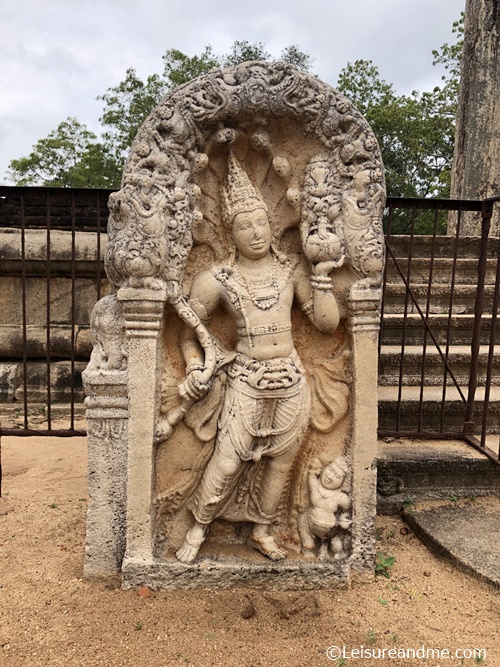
(228, 572)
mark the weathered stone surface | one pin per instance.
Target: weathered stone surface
(61, 337)
(411, 471)
(460, 325)
(12, 381)
(64, 318)
(216, 572)
(414, 359)
(441, 297)
(441, 246)
(59, 252)
(476, 167)
(256, 190)
(465, 532)
(434, 411)
(36, 300)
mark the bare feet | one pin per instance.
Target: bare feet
(265, 543)
(188, 550)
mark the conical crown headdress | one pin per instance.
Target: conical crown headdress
(239, 194)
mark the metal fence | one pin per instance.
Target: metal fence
(46, 211)
(438, 367)
(438, 364)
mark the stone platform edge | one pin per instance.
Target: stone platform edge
(224, 573)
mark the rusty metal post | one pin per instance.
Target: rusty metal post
(450, 315)
(98, 249)
(384, 282)
(23, 307)
(427, 312)
(405, 316)
(48, 318)
(486, 214)
(491, 350)
(73, 308)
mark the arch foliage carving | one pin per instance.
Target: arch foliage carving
(156, 213)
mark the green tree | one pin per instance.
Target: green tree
(127, 105)
(415, 132)
(70, 156)
(450, 55)
(243, 51)
(125, 108)
(293, 55)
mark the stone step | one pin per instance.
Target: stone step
(442, 270)
(464, 297)
(61, 336)
(459, 358)
(410, 471)
(454, 411)
(461, 327)
(465, 532)
(11, 413)
(12, 381)
(440, 246)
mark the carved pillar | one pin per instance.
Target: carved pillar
(143, 312)
(476, 167)
(107, 416)
(364, 305)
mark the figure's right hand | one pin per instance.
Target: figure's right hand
(193, 386)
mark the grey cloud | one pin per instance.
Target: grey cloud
(57, 57)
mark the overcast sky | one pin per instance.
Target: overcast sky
(57, 56)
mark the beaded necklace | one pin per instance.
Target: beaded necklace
(238, 288)
(254, 290)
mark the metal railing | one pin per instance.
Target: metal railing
(447, 383)
(428, 388)
(47, 211)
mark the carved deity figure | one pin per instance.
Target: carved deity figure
(266, 403)
(327, 518)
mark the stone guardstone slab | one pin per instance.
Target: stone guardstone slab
(232, 388)
(465, 531)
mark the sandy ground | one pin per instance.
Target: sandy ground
(50, 616)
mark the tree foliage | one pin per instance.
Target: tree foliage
(70, 156)
(415, 132)
(125, 108)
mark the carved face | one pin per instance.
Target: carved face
(362, 179)
(252, 233)
(332, 477)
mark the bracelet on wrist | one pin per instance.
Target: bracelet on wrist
(323, 283)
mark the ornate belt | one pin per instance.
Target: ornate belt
(265, 329)
(281, 373)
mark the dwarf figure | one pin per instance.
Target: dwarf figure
(325, 522)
